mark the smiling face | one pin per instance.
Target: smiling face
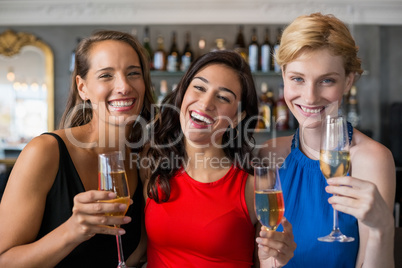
(210, 104)
(114, 83)
(314, 85)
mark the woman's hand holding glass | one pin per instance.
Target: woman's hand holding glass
(334, 162)
(113, 178)
(277, 245)
(89, 215)
(269, 207)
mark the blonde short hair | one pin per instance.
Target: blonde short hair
(318, 31)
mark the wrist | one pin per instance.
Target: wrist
(385, 232)
(269, 263)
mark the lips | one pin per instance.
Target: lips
(310, 111)
(121, 103)
(201, 119)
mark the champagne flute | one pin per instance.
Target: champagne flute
(334, 162)
(268, 198)
(112, 177)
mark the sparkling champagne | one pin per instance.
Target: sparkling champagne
(269, 207)
(121, 200)
(334, 163)
(116, 182)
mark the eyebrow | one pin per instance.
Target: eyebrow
(302, 74)
(111, 69)
(220, 88)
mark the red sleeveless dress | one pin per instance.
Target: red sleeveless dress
(202, 224)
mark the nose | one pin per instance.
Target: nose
(206, 101)
(311, 94)
(122, 85)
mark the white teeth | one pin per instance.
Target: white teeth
(121, 103)
(311, 111)
(201, 118)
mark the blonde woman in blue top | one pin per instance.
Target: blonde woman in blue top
(319, 62)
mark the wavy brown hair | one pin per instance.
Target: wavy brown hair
(73, 114)
(167, 129)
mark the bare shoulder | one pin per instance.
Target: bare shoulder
(373, 162)
(275, 148)
(370, 153)
(40, 156)
(249, 196)
(43, 148)
(29, 183)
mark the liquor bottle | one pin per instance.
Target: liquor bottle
(261, 108)
(281, 111)
(254, 52)
(275, 66)
(240, 45)
(173, 56)
(162, 91)
(220, 44)
(352, 108)
(148, 48)
(267, 104)
(201, 46)
(266, 53)
(72, 57)
(188, 55)
(160, 55)
(260, 122)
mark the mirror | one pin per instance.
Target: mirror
(27, 90)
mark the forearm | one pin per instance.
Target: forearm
(380, 249)
(45, 252)
(139, 253)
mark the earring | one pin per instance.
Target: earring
(83, 108)
(237, 133)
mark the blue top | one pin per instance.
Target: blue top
(311, 216)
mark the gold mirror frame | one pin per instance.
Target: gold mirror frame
(11, 44)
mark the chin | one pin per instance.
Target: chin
(310, 124)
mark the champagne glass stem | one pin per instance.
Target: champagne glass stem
(336, 221)
(121, 264)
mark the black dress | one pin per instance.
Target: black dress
(100, 250)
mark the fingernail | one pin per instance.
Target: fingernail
(127, 219)
(122, 232)
(122, 207)
(112, 195)
(258, 240)
(330, 180)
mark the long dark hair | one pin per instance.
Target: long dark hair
(167, 128)
(73, 114)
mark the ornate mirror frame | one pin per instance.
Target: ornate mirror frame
(11, 44)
